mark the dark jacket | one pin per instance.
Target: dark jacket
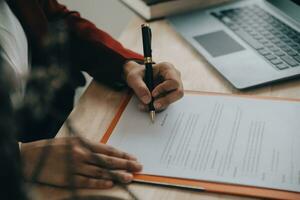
(92, 50)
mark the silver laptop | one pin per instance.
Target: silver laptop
(250, 42)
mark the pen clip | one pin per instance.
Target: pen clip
(150, 38)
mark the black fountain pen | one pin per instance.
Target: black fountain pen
(147, 37)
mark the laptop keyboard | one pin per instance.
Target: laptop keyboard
(271, 38)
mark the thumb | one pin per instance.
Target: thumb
(139, 87)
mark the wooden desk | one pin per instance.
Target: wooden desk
(98, 105)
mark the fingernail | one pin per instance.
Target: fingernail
(146, 99)
(157, 105)
(132, 157)
(128, 178)
(109, 183)
(139, 167)
(155, 94)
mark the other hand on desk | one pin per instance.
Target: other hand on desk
(92, 165)
(168, 89)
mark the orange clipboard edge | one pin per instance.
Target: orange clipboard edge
(206, 185)
(116, 118)
(214, 187)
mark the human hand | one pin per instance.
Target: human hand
(168, 88)
(95, 167)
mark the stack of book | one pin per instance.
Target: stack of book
(154, 9)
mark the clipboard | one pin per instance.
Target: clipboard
(213, 187)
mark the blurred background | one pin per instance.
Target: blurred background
(109, 15)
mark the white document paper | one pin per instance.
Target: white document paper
(227, 139)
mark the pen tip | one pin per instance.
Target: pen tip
(152, 116)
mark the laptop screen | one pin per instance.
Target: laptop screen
(289, 7)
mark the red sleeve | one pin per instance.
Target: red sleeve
(93, 50)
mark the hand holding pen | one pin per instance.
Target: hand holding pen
(156, 85)
(147, 39)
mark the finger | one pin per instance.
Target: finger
(111, 151)
(167, 71)
(115, 163)
(143, 107)
(136, 82)
(92, 183)
(165, 87)
(100, 173)
(121, 176)
(165, 101)
(92, 171)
